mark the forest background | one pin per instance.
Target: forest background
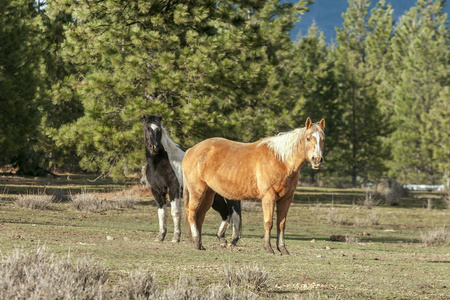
(77, 76)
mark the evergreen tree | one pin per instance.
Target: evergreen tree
(203, 65)
(419, 88)
(315, 91)
(359, 57)
(20, 82)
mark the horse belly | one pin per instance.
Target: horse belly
(234, 183)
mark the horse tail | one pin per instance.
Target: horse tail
(186, 204)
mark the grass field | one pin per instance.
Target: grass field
(377, 253)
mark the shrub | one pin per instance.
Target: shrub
(251, 277)
(39, 275)
(334, 218)
(351, 239)
(252, 206)
(390, 190)
(370, 220)
(446, 198)
(91, 202)
(436, 237)
(34, 201)
(140, 285)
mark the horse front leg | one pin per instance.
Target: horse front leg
(282, 209)
(160, 200)
(176, 215)
(162, 223)
(268, 204)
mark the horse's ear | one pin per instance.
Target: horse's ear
(322, 123)
(143, 117)
(159, 118)
(308, 123)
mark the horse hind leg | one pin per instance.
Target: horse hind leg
(236, 218)
(199, 204)
(220, 205)
(221, 232)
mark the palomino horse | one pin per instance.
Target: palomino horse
(267, 169)
(164, 175)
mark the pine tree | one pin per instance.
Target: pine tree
(421, 78)
(203, 65)
(315, 90)
(359, 57)
(20, 81)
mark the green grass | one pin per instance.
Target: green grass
(389, 261)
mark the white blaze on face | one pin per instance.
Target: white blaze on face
(153, 126)
(317, 150)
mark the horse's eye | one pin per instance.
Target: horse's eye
(308, 139)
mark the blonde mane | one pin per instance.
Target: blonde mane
(285, 144)
(175, 154)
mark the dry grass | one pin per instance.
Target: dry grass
(436, 237)
(34, 201)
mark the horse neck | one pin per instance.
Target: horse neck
(296, 162)
(298, 159)
(174, 153)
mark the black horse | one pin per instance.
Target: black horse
(165, 177)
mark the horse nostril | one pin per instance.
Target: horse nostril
(321, 159)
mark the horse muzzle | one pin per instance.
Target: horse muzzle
(316, 162)
(153, 150)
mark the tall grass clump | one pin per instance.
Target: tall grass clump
(249, 277)
(34, 201)
(40, 275)
(334, 218)
(91, 202)
(370, 200)
(436, 237)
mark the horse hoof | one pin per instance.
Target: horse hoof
(284, 251)
(174, 240)
(199, 247)
(270, 251)
(223, 243)
(159, 238)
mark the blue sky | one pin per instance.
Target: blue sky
(328, 15)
